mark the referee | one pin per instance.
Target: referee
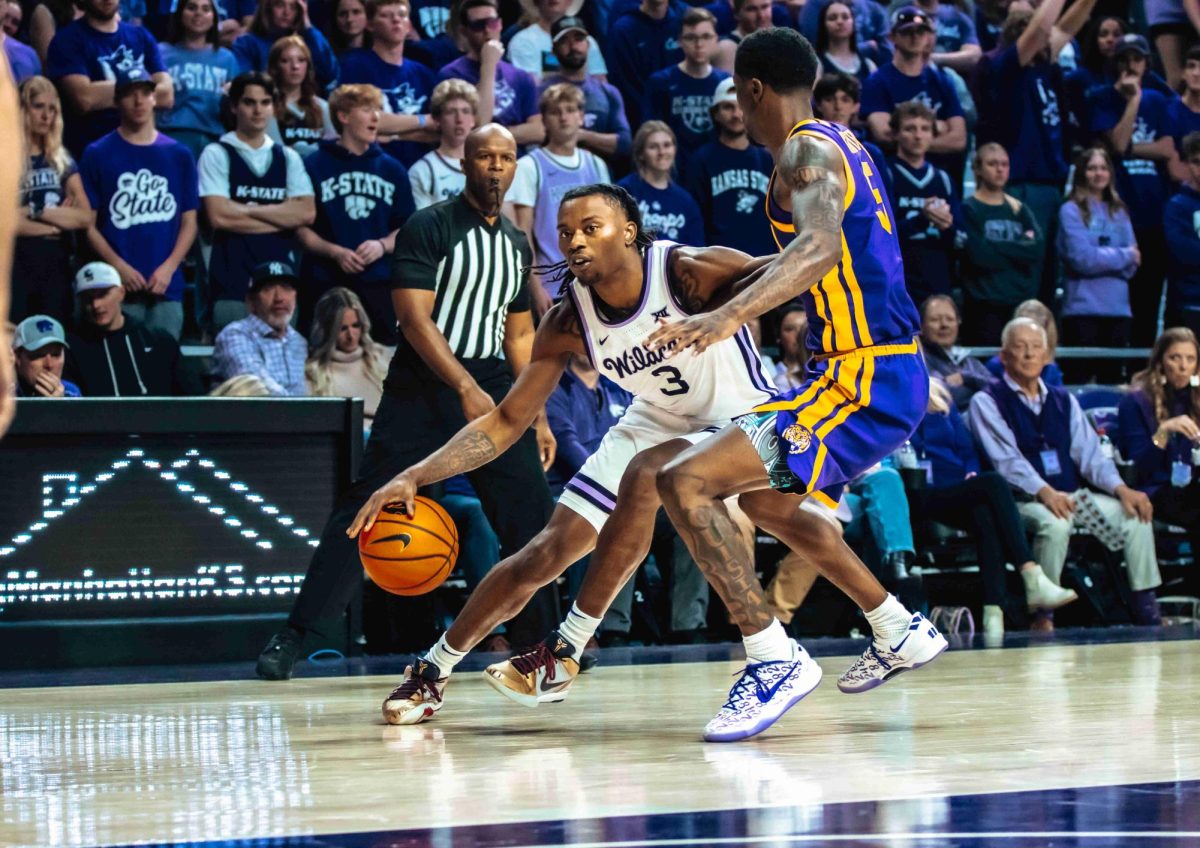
(466, 330)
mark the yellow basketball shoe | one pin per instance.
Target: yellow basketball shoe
(541, 675)
(418, 697)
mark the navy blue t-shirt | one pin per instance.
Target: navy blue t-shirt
(406, 89)
(927, 250)
(78, 48)
(1025, 116)
(358, 198)
(1183, 122)
(669, 212)
(1142, 183)
(685, 104)
(730, 187)
(140, 192)
(638, 46)
(887, 88)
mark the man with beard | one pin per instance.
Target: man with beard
(453, 365)
(83, 60)
(728, 177)
(605, 128)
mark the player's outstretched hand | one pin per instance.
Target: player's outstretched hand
(697, 332)
(401, 489)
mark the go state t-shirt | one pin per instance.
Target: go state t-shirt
(140, 193)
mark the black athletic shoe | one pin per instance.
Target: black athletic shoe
(278, 658)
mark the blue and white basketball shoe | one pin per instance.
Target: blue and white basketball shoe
(763, 693)
(920, 645)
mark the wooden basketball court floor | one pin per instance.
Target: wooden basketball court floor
(1054, 742)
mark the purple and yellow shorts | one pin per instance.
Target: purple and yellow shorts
(854, 410)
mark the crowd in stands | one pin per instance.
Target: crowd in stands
(239, 174)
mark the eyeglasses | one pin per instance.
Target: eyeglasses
(697, 38)
(483, 24)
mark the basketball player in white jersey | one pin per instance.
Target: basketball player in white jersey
(620, 285)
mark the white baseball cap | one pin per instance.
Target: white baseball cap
(96, 275)
(724, 93)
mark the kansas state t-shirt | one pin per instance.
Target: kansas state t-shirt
(669, 213)
(80, 49)
(406, 89)
(140, 193)
(685, 104)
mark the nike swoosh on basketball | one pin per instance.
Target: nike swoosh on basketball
(403, 537)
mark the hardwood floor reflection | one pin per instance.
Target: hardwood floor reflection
(220, 760)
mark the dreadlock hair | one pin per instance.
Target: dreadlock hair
(616, 197)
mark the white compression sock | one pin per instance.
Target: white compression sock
(889, 621)
(444, 657)
(769, 645)
(577, 628)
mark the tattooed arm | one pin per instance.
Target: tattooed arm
(490, 435)
(703, 277)
(812, 170)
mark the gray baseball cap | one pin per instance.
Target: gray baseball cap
(37, 331)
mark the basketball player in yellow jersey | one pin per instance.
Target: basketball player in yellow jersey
(865, 393)
(10, 151)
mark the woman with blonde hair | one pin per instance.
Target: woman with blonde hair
(53, 206)
(301, 117)
(276, 19)
(1159, 430)
(667, 210)
(343, 359)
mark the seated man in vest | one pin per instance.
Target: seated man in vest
(1037, 437)
(255, 194)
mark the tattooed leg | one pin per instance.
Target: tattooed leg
(693, 488)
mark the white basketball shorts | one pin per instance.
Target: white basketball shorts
(592, 493)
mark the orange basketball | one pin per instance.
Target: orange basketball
(410, 555)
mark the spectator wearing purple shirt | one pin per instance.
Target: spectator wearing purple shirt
(22, 59)
(1099, 255)
(405, 83)
(507, 95)
(605, 128)
(144, 189)
(84, 59)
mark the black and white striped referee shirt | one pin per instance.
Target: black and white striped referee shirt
(474, 268)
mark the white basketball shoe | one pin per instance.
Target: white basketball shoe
(920, 645)
(763, 693)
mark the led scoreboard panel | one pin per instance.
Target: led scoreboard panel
(157, 509)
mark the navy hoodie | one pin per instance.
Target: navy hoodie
(358, 198)
(1182, 224)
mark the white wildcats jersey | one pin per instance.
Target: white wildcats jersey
(726, 380)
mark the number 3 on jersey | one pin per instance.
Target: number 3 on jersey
(869, 173)
(678, 386)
